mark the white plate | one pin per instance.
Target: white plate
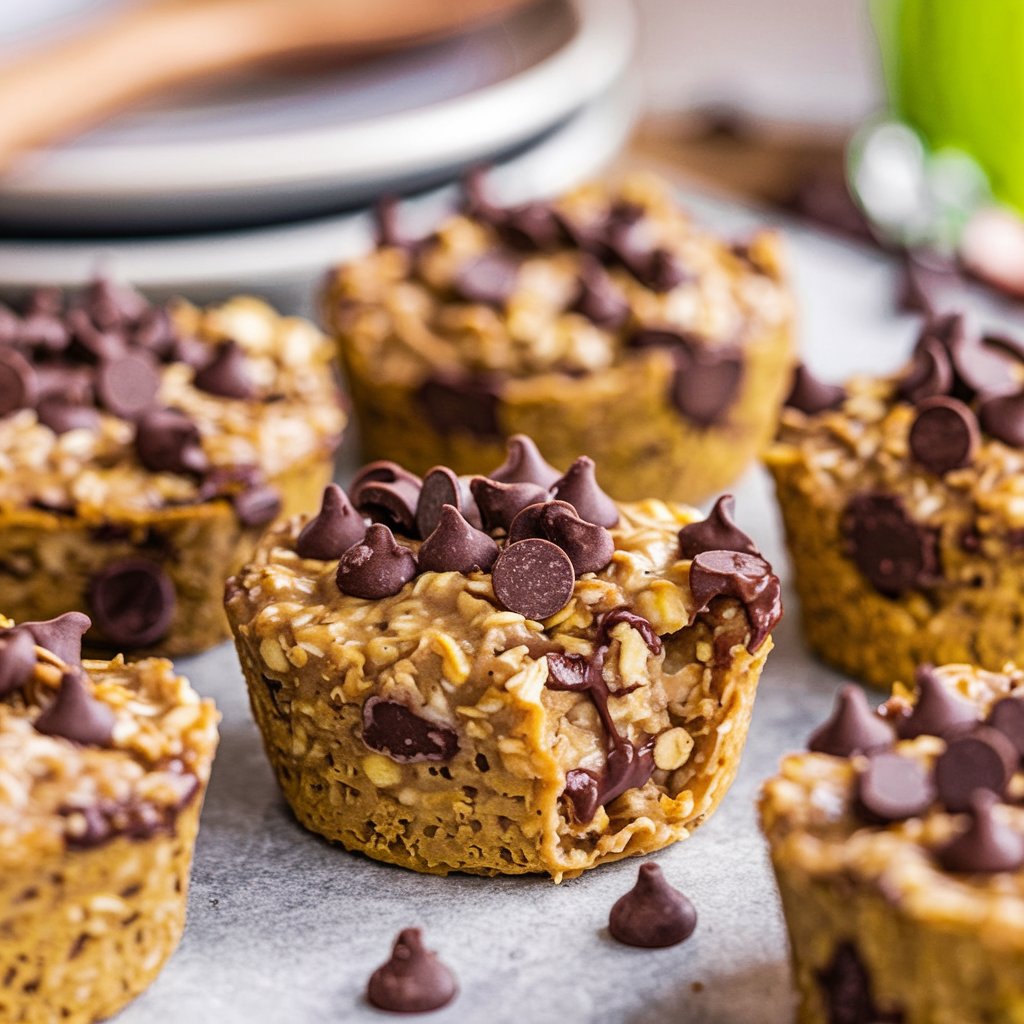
(279, 147)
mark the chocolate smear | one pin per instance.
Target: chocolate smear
(747, 578)
(455, 403)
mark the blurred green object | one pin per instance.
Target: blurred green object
(955, 72)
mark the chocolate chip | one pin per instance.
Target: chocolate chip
(18, 384)
(598, 298)
(333, 530)
(490, 278)
(127, 385)
(944, 435)
(579, 487)
(533, 578)
(747, 578)
(62, 635)
(385, 217)
(1002, 417)
(156, 332)
(930, 282)
(590, 547)
(846, 990)
(442, 487)
(894, 788)
(707, 381)
(73, 384)
(531, 227)
(227, 375)
(716, 533)
(393, 504)
(61, 416)
(112, 304)
(455, 403)
(46, 299)
(76, 715)
(1007, 716)
(375, 567)
(980, 368)
(524, 464)
(989, 844)
(257, 504)
(930, 372)
(91, 343)
(938, 711)
(132, 602)
(892, 551)
(45, 333)
(853, 727)
(983, 759)
(455, 546)
(500, 503)
(810, 395)
(17, 659)
(395, 730)
(413, 981)
(167, 441)
(652, 914)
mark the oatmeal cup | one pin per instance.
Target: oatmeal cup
(502, 674)
(142, 451)
(103, 768)
(606, 322)
(898, 846)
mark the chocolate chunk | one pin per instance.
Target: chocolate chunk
(944, 436)
(17, 659)
(1007, 716)
(257, 505)
(983, 759)
(938, 711)
(1002, 417)
(227, 375)
(395, 730)
(167, 441)
(599, 299)
(530, 228)
(846, 991)
(930, 372)
(333, 530)
(467, 404)
(61, 416)
(132, 602)
(893, 552)
(455, 546)
(413, 981)
(533, 578)
(375, 567)
(580, 489)
(748, 578)
(18, 386)
(62, 635)
(590, 547)
(76, 715)
(490, 278)
(127, 385)
(989, 844)
(607, 621)
(500, 503)
(652, 914)
(810, 395)
(894, 788)
(853, 727)
(525, 464)
(716, 533)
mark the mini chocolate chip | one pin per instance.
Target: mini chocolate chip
(894, 788)
(944, 435)
(747, 578)
(132, 602)
(652, 914)
(853, 727)
(1002, 417)
(524, 464)
(455, 546)
(61, 416)
(533, 578)
(333, 530)
(76, 715)
(413, 981)
(500, 503)
(1007, 715)
(716, 533)
(989, 844)
(62, 635)
(127, 385)
(257, 504)
(442, 487)
(590, 547)
(18, 386)
(938, 711)
(810, 395)
(394, 729)
(579, 487)
(17, 659)
(393, 504)
(983, 759)
(167, 441)
(598, 298)
(489, 278)
(455, 403)
(375, 567)
(930, 372)
(227, 375)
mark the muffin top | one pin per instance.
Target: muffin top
(109, 404)
(92, 750)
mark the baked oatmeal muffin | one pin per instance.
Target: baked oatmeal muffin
(506, 673)
(606, 322)
(902, 501)
(103, 767)
(142, 451)
(898, 845)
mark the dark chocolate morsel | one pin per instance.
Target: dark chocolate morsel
(529, 522)
(76, 715)
(127, 385)
(929, 283)
(930, 372)
(894, 788)
(652, 914)
(846, 991)
(579, 487)
(1002, 417)
(590, 547)
(382, 471)
(455, 403)
(227, 374)
(61, 416)
(524, 464)
(17, 659)
(333, 530)
(716, 533)
(500, 503)
(707, 381)
(393, 504)
(375, 567)
(91, 343)
(982, 759)
(853, 727)
(489, 278)
(167, 441)
(396, 730)
(533, 578)
(938, 711)
(531, 227)
(257, 504)
(810, 395)
(747, 578)
(599, 299)
(989, 844)
(1007, 716)
(661, 271)
(455, 546)
(132, 602)
(440, 487)
(18, 386)
(62, 635)
(413, 981)
(944, 435)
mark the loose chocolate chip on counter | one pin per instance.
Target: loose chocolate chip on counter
(375, 567)
(938, 711)
(227, 375)
(599, 299)
(716, 533)
(944, 435)
(1007, 716)
(707, 381)
(930, 372)
(62, 635)
(393, 504)
(846, 991)
(442, 487)
(853, 727)
(490, 278)
(533, 578)
(1002, 417)
(810, 395)
(579, 487)
(894, 788)
(132, 602)
(396, 730)
(524, 464)
(652, 914)
(500, 503)
(18, 385)
(76, 715)
(982, 759)
(167, 441)
(127, 384)
(748, 578)
(257, 504)
(61, 416)
(989, 844)
(590, 547)
(333, 530)
(17, 659)
(413, 981)
(455, 546)
(454, 403)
